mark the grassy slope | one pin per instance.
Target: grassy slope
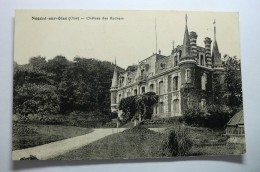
(128, 144)
(25, 136)
(142, 144)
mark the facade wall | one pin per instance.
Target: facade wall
(178, 85)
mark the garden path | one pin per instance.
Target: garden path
(54, 149)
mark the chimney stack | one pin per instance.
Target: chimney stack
(193, 43)
(208, 60)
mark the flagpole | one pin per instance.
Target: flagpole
(155, 37)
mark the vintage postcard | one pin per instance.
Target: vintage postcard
(92, 84)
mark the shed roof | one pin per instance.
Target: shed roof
(237, 119)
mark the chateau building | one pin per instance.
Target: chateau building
(181, 80)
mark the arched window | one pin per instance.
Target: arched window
(143, 89)
(161, 90)
(151, 87)
(135, 92)
(188, 76)
(175, 83)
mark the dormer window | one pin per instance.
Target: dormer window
(202, 60)
(180, 52)
(175, 58)
(163, 66)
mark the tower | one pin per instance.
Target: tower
(113, 90)
(187, 61)
(187, 66)
(216, 56)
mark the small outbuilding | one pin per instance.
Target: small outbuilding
(235, 128)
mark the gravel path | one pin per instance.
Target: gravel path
(54, 149)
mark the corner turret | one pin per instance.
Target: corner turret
(113, 90)
(216, 56)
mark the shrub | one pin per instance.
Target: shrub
(215, 117)
(31, 157)
(162, 121)
(194, 116)
(218, 116)
(176, 142)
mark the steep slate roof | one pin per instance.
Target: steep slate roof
(237, 119)
(114, 80)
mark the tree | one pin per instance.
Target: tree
(36, 99)
(38, 62)
(143, 102)
(135, 107)
(57, 66)
(233, 81)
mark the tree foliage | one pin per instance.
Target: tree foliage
(139, 106)
(60, 86)
(233, 81)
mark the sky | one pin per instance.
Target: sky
(129, 40)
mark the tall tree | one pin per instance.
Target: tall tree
(233, 81)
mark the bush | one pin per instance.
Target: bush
(80, 119)
(176, 142)
(162, 121)
(216, 116)
(194, 117)
(31, 157)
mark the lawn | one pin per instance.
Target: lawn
(130, 143)
(29, 135)
(144, 143)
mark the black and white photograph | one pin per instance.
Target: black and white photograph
(113, 84)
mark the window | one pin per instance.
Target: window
(201, 60)
(180, 53)
(143, 89)
(119, 98)
(128, 94)
(142, 74)
(161, 87)
(203, 81)
(189, 102)
(161, 107)
(175, 60)
(163, 66)
(176, 106)
(203, 104)
(188, 76)
(175, 83)
(151, 87)
(135, 92)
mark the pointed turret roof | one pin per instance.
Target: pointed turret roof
(114, 80)
(186, 48)
(216, 56)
